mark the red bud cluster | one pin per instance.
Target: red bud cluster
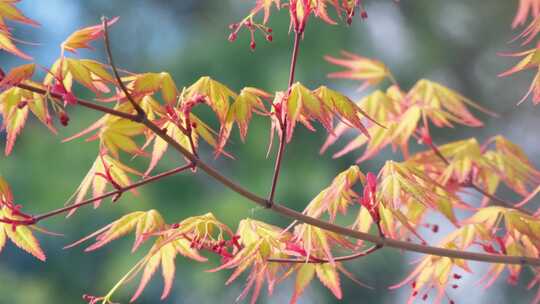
(252, 27)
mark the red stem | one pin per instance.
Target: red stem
(283, 123)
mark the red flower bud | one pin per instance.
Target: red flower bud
(64, 118)
(233, 36)
(22, 104)
(363, 14)
(253, 45)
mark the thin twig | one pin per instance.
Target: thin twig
(313, 260)
(283, 124)
(35, 219)
(140, 112)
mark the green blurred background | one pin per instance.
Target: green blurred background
(454, 42)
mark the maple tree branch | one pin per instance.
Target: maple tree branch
(140, 112)
(314, 260)
(295, 215)
(283, 124)
(37, 218)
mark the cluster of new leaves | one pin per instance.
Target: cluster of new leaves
(433, 179)
(270, 253)
(400, 114)
(528, 14)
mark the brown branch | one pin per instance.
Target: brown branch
(283, 124)
(140, 112)
(295, 215)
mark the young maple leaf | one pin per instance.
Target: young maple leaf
(217, 95)
(116, 133)
(17, 75)
(81, 39)
(143, 222)
(303, 105)
(444, 106)
(20, 235)
(399, 124)
(149, 83)
(248, 101)
(327, 274)
(89, 73)
(163, 253)
(105, 170)
(369, 71)
(8, 11)
(15, 104)
(531, 59)
(338, 196)
(512, 166)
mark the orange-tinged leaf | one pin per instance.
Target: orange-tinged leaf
(81, 39)
(168, 88)
(80, 73)
(17, 75)
(218, 95)
(248, 101)
(168, 254)
(304, 275)
(328, 275)
(9, 11)
(346, 109)
(22, 237)
(7, 44)
(369, 71)
(97, 69)
(14, 116)
(118, 228)
(338, 196)
(94, 178)
(443, 105)
(150, 268)
(146, 83)
(5, 191)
